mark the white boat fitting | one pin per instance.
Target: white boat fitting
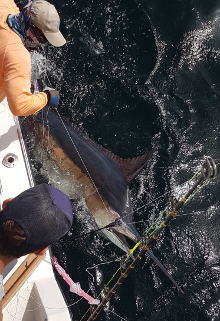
(31, 290)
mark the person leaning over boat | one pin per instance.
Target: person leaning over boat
(21, 32)
(31, 222)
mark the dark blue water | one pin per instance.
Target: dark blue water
(136, 74)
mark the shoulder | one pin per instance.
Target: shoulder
(16, 55)
(8, 6)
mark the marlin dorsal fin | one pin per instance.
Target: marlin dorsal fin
(131, 167)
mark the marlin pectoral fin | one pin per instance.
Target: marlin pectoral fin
(153, 257)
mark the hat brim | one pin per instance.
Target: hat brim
(55, 38)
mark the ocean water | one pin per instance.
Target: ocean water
(137, 74)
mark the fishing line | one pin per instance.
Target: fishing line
(43, 136)
(4, 104)
(206, 173)
(168, 205)
(92, 179)
(96, 189)
(157, 199)
(46, 73)
(33, 297)
(137, 244)
(59, 74)
(196, 191)
(17, 300)
(102, 200)
(192, 213)
(117, 220)
(92, 183)
(99, 264)
(117, 315)
(107, 285)
(137, 209)
(59, 82)
(48, 127)
(111, 224)
(165, 207)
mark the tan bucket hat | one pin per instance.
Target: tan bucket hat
(45, 17)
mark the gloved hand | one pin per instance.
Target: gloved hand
(53, 97)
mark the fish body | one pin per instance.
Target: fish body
(102, 176)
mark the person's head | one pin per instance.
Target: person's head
(33, 220)
(45, 22)
(37, 23)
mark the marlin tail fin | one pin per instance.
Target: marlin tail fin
(153, 257)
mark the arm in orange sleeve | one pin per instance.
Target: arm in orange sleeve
(17, 75)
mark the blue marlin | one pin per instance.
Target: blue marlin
(104, 178)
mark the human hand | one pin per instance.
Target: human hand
(6, 202)
(53, 97)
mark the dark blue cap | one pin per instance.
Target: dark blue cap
(44, 213)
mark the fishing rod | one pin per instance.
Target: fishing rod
(208, 171)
